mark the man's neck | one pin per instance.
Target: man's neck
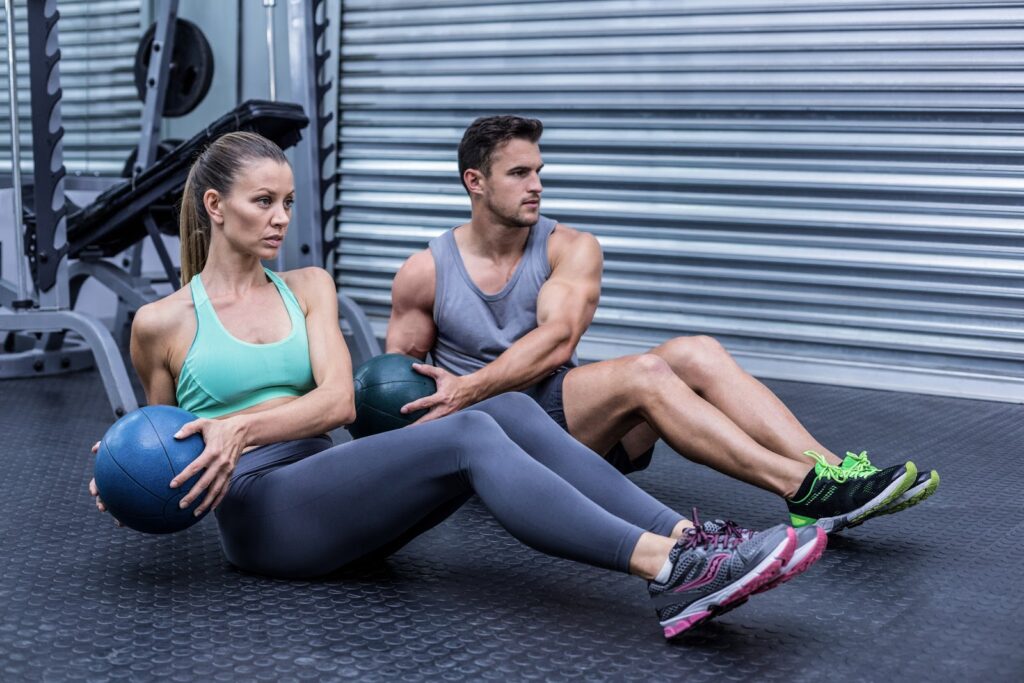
(490, 239)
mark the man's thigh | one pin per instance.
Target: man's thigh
(600, 410)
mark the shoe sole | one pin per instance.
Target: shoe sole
(703, 609)
(855, 517)
(909, 498)
(803, 557)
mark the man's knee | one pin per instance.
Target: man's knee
(646, 369)
(696, 358)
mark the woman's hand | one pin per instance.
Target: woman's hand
(95, 492)
(224, 441)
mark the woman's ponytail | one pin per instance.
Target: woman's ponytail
(194, 232)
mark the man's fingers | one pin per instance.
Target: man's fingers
(431, 371)
(93, 491)
(95, 448)
(432, 415)
(421, 404)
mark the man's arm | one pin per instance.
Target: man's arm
(565, 308)
(411, 328)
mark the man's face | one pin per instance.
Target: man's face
(511, 192)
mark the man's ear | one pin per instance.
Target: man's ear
(474, 179)
(211, 201)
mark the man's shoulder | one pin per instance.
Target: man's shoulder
(565, 241)
(415, 281)
(419, 266)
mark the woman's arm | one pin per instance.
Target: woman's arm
(328, 406)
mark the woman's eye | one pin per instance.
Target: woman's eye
(289, 203)
(263, 201)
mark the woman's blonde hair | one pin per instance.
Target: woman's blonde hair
(215, 169)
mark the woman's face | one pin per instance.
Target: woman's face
(257, 210)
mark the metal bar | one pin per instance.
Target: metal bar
(98, 338)
(269, 5)
(161, 249)
(46, 239)
(19, 228)
(363, 342)
(305, 247)
(156, 85)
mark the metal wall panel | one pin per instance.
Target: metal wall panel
(100, 108)
(831, 188)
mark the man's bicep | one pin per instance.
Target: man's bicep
(410, 331)
(571, 294)
(411, 328)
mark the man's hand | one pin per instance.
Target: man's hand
(453, 393)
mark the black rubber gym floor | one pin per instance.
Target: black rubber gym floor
(933, 593)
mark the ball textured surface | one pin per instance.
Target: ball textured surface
(383, 385)
(137, 459)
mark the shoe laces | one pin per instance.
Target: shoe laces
(826, 470)
(862, 467)
(729, 535)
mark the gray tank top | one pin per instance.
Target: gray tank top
(474, 328)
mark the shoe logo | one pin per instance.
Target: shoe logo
(707, 576)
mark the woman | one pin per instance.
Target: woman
(259, 357)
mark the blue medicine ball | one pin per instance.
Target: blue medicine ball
(137, 459)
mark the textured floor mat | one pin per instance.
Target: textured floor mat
(931, 593)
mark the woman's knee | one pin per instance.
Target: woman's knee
(471, 427)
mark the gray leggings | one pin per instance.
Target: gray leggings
(306, 508)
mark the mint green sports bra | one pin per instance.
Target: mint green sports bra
(222, 374)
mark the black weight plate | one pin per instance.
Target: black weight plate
(190, 72)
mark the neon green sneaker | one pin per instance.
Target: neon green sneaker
(924, 485)
(835, 497)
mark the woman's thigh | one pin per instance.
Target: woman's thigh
(315, 515)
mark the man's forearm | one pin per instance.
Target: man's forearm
(532, 358)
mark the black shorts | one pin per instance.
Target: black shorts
(548, 393)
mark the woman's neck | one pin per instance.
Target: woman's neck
(231, 273)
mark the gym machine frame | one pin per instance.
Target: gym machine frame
(48, 311)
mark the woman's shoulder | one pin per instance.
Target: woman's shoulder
(157, 317)
(309, 283)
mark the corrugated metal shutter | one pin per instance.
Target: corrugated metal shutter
(831, 188)
(100, 108)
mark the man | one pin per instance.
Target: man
(502, 301)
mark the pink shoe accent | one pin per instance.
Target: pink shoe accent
(790, 571)
(768, 574)
(687, 623)
(707, 577)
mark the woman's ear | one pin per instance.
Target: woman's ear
(211, 201)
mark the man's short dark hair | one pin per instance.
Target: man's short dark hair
(487, 134)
